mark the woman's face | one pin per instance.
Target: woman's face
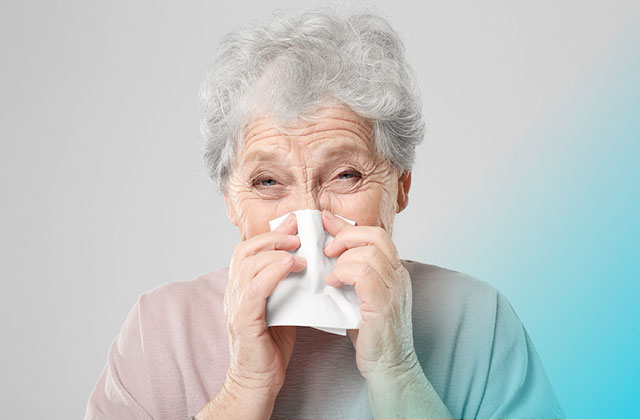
(329, 163)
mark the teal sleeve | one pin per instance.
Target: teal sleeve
(517, 386)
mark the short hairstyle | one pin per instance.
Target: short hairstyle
(297, 63)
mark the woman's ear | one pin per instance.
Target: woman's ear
(404, 184)
(231, 210)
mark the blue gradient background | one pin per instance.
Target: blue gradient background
(570, 231)
(558, 232)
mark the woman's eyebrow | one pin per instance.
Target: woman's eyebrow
(261, 156)
(345, 152)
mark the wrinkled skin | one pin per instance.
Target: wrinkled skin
(330, 164)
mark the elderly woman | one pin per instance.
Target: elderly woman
(319, 111)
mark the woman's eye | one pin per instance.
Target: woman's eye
(268, 182)
(349, 175)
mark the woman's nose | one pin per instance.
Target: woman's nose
(307, 200)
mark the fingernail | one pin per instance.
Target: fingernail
(329, 280)
(293, 238)
(300, 260)
(287, 260)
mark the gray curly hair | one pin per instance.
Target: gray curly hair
(295, 64)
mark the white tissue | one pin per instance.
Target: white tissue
(304, 298)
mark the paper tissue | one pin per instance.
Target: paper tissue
(304, 298)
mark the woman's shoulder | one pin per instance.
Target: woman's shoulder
(203, 289)
(173, 344)
(450, 299)
(189, 311)
(180, 309)
(434, 282)
(450, 310)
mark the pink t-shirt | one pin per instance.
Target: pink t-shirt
(171, 356)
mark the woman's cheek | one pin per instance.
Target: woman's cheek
(361, 206)
(377, 208)
(254, 216)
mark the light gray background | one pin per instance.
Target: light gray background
(104, 195)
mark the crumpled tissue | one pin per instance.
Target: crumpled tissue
(304, 298)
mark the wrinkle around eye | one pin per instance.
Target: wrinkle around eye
(349, 185)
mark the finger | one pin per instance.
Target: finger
(289, 225)
(356, 236)
(254, 264)
(368, 285)
(371, 255)
(262, 285)
(333, 224)
(265, 242)
(282, 237)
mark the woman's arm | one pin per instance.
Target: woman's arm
(234, 402)
(405, 393)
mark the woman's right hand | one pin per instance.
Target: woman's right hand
(259, 356)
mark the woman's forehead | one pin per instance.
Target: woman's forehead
(331, 133)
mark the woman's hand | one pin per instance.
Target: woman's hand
(385, 356)
(258, 356)
(368, 260)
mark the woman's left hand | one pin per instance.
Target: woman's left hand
(368, 260)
